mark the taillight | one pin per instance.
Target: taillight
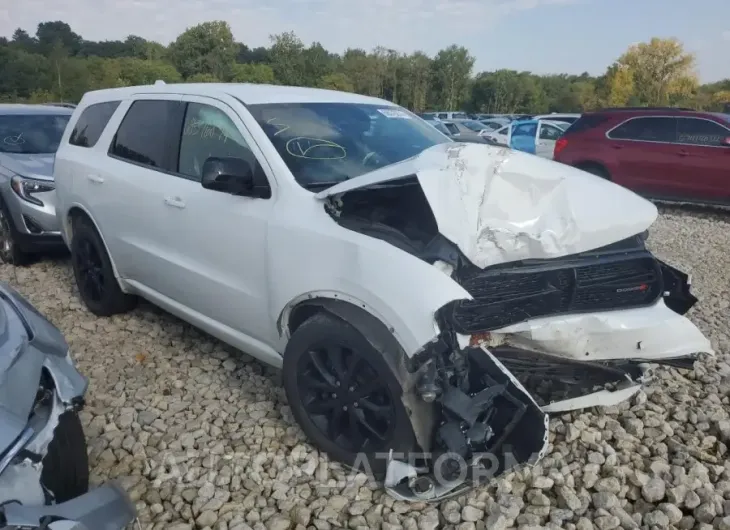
(560, 145)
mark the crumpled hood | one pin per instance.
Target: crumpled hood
(498, 205)
(39, 166)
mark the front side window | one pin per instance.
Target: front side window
(453, 129)
(326, 143)
(548, 132)
(91, 123)
(144, 136)
(208, 132)
(695, 131)
(443, 116)
(31, 134)
(649, 129)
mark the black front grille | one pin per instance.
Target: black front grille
(508, 295)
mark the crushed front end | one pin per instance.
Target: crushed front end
(540, 336)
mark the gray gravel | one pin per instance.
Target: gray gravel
(202, 437)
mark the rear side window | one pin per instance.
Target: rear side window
(649, 129)
(149, 133)
(91, 123)
(587, 122)
(527, 129)
(695, 131)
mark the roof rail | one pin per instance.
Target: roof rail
(614, 109)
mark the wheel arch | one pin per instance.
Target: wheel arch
(587, 165)
(78, 211)
(383, 338)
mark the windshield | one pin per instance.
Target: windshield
(473, 125)
(31, 133)
(327, 143)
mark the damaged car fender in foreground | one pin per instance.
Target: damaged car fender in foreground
(43, 460)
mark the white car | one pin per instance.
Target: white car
(537, 137)
(418, 293)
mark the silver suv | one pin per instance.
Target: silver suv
(29, 137)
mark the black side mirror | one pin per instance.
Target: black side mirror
(228, 174)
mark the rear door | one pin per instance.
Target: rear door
(643, 155)
(140, 161)
(703, 158)
(547, 135)
(523, 137)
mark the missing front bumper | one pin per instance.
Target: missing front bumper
(488, 425)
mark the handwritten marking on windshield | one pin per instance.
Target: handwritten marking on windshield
(281, 127)
(304, 147)
(14, 140)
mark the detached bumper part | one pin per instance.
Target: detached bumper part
(489, 425)
(105, 508)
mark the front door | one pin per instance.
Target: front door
(523, 137)
(217, 240)
(704, 157)
(547, 135)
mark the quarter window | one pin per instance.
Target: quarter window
(694, 131)
(649, 129)
(145, 134)
(208, 132)
(91, 123)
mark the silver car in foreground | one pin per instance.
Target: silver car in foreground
(29, 137)
(44, 470)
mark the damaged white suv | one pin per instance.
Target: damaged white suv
(429, 301)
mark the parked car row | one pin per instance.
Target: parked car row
(334, 235)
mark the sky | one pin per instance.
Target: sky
(543, 36)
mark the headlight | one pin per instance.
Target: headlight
(25, 188)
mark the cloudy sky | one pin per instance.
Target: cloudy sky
(539, 35)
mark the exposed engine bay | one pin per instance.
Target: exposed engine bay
(491, 387)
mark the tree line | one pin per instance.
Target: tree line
(57, 64)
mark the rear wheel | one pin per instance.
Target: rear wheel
(66, 464)
(344, 395)
(595, 169)
(98, 287)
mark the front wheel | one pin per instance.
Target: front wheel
(344, 395)
(10, 252)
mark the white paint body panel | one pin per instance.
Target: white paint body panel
(497, 205)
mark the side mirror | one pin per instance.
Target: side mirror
(229, 175)
(726, 141)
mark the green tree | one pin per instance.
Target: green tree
(336, 81)
(451, 73)
(287, 59)
(253, 73)
(207, 48)
(662, 71)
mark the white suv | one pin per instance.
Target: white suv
(422, 296)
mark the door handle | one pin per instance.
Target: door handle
(617, 146)
(96, 179)
(175, 202)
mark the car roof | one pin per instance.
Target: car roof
(23, 108)
(248, 93)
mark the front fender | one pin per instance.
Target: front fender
(400, 290)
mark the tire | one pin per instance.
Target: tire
(323, 330)
(66, 464)
(597, 170)
(104, 298)
(10, 251)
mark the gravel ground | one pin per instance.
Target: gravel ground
(202, 437)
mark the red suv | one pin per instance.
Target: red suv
(661, 153)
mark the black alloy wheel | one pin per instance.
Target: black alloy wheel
(345, 395)
(345, 398)
(91, 271)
